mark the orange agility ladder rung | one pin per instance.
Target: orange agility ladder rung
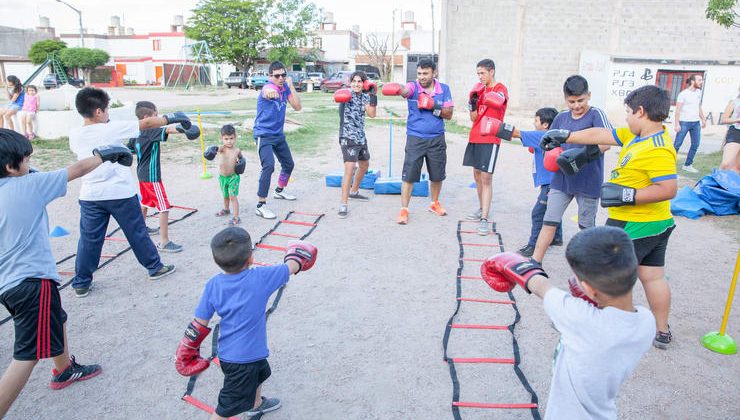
(66, 273)
(480, 327)
(308, 214)
(293, 222)
(490, 405)
(488, 245)
(261, 264)
(472, 260)
(502, 302)
(482, 360)
(110, 238)
(470, 277)
(471, 232)
(473, 221)
(216, 361)
(184, 208)
(272, 247)
(287, 235)
(200, 404)
(107, 256)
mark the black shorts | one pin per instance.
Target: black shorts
(733, 135)
(650, 250)
(434, 150)
(481, 156)
(355, 152)
(241, 381)
(38, 317)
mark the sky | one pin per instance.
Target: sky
(156, 15)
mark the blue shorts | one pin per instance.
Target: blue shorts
(13, 107)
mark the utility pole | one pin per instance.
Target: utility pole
(79, 14)
(393, 45)
(433, 33)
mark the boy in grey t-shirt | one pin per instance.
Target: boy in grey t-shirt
(603, 335)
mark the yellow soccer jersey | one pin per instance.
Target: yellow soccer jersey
(642, 162)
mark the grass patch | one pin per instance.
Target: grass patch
(704, 163)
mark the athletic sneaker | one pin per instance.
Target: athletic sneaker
(263, 212)
(483, 228)
(526, 251)
(557, 242)
(343, 211)
(403, 216)
(662, 339)
(437, 209)
(690, 168)
(74, 372)
(82, 292)
(358, 196)
(282, 195)
(169, 247)
(268, 404)
(152, 231)
(163, 271)
(476, 215)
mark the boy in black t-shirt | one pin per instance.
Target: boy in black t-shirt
(149, 171)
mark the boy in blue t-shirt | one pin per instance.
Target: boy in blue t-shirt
(542, 177)
(28, 273)
(239, 296)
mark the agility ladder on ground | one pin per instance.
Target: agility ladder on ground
(188, 396)
(108, 258)
(451, 361)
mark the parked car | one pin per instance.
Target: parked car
(52, 81)
(336, 81)
(316, 78)
(375, 77)
(298, 77)
(257, 80)
(236, 78)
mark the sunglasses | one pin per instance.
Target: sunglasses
(280, 75)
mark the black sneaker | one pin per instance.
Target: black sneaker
(556, 242)
(74, 372)
(357, 196)
(663, 339)
(268, 404)
(163, 271)
(526, 251)
(82, 292)
(152, 231)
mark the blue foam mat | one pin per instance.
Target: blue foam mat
(334, 179)
(393, 186)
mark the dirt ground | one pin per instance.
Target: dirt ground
(360, 335)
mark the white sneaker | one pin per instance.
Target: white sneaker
(264, 212)
(282, 195)
(690, 168)
(476, 215)
(483, 228)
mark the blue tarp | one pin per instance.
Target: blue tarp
(716, 194)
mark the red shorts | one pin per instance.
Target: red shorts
(153, 196)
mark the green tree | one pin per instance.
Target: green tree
(85, 59)
(234, 29)
(724, 12)
(290, 22)
(39, 50)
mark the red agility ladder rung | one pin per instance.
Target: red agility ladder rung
(110, 238)
(287, 235)
(184, 208)
(308, 214)
(474, 221)
(470, 277)
(261, 264)
(200, 404)
(108, 256)
(216, 361)
(480, 327)
(272, 247)
(66, 273)
(502, 302)
(473, 260)
(471, 232)
(482, 360)
(293, 222)
(490, 405)
(489, 245)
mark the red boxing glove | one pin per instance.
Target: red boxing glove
(475, 95)
(494, 99)
(187, 358)
(302, 252)
(392, 89)
(490, 126)
(342, 95)
(507, 269)
(576, 291)
(551, 159)
(370, 87)
(425, 101)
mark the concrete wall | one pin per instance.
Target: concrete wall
(536, 44)
(17, 42)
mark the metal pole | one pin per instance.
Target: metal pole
(432, 2)
(79, 13)
(393, 46)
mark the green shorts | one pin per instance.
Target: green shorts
(229, 185)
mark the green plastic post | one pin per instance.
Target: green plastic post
(720, 343)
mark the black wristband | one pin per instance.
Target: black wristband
(373, 100)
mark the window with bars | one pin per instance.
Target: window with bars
(674, 81)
